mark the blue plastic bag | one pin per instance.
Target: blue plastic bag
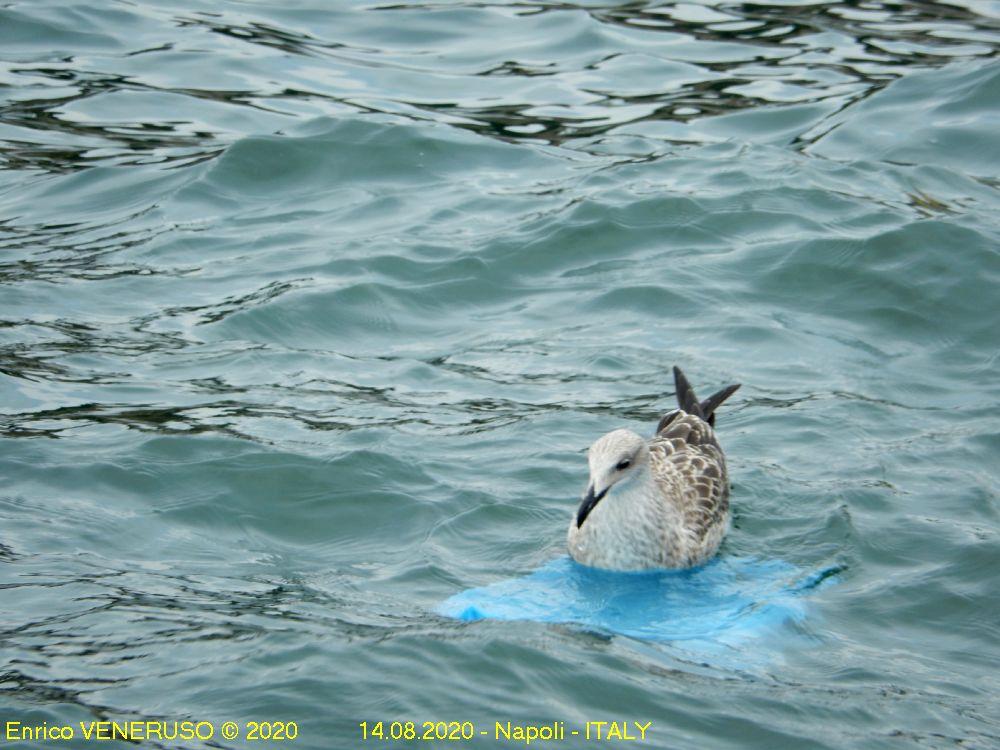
(722, 602)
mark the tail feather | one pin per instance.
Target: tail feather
(688, 401)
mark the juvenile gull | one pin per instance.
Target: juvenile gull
(657, 503)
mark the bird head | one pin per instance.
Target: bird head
(613, 459)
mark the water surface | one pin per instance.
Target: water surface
(309, 312)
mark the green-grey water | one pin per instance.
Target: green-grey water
(309, 312)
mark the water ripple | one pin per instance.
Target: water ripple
(310, 312)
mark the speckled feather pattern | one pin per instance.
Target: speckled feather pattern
(689, 468)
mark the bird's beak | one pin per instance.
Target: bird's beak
(588, 504)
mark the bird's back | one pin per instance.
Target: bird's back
(689, 469)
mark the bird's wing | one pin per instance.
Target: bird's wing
(689, 466)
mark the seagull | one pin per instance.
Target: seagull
(657, 503)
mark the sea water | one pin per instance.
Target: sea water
(309, 312)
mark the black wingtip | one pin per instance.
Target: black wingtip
(710, 404)
(686, 399)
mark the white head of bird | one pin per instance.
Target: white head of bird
(617, 458)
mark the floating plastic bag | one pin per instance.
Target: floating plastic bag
(724, 601)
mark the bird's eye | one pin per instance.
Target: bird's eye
(622, 465)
